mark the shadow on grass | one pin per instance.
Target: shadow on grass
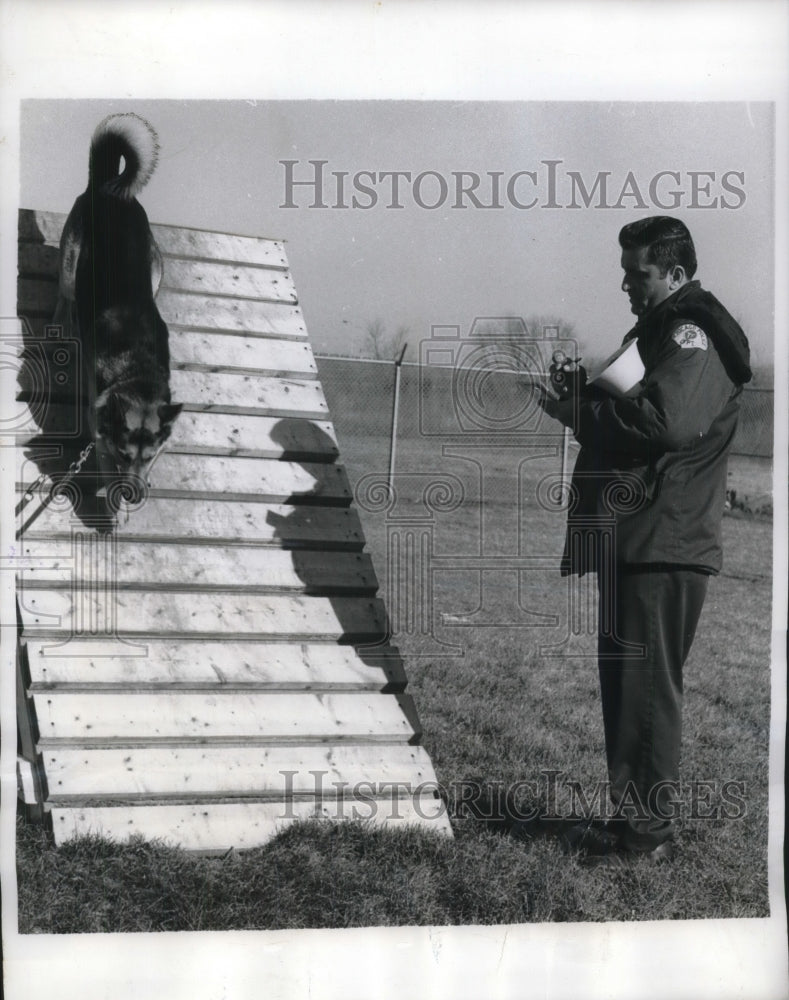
(491, 807)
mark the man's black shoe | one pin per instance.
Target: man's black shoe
(592, 837)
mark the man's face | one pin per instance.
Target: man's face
(643, 283)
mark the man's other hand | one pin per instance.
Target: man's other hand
(562, 410)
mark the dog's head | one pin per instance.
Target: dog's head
(133, 430)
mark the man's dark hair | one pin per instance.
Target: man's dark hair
(667, 241)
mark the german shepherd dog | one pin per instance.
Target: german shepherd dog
(110, 269)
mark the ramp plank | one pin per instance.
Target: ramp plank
(37, 298)
(227, 392)
(227, 280)
(45, 228)
(270, 356)
(249, 478)
(158, 565)
(255, 437)
(214, 828)
(201, 433)
(223, 392)
(204, 312)
(163, 662)
(230, 716)
(205, 275)
(220, 476)
(177, 242)
(136, 613)
(232, 771)
(215, 521)
(223, 351)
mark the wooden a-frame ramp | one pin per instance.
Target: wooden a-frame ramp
(212, 669)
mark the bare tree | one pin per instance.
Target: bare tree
(382, 344)
(550, 327)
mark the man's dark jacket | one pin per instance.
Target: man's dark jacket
(650, 479)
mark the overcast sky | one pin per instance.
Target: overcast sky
(415, 266)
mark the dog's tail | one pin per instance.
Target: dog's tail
(122, 136)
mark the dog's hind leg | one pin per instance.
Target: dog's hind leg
(70, 245)
(157, 268)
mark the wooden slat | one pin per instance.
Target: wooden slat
(202, 433)
(205, 312)
(270, 356)
(40, 259)
(158, 565)
(255, 394)
(211, 828)
(267, 615)
(223, 351)
(230, 771)
(228, 280)
(252, 436)
(232, 717)
(196, 243)
(167, 662)
(46, 227)
(220, 476)
(220, 521)
(282, 327)
(39, 226)
(37, 297)
(222, 392)
(251, 478)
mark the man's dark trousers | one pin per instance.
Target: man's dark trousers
(647, 620)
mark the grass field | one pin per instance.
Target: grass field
(499, 714)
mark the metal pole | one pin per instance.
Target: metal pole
(565, 455)
(395, 408)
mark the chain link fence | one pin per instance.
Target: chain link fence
(437, 401)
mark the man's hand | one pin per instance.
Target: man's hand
(562, 410)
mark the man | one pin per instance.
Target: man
(648, 495)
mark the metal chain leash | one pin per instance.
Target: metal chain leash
(73, 470)
(76, 465)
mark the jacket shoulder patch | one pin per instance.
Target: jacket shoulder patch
(690, 335)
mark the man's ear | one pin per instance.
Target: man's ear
(677, 277)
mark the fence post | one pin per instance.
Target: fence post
(395, 407)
